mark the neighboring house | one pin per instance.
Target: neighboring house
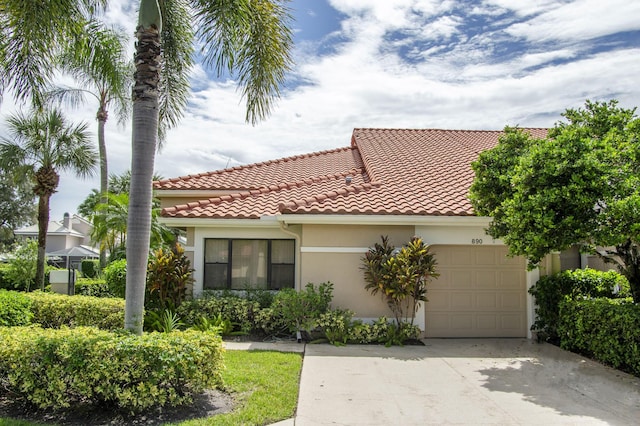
(70, 238)
(311, 218)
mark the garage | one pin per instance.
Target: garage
(480, 293)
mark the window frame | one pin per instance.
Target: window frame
(229, 263)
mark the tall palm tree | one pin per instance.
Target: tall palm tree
(249, 39)
(100, 65)
(43, 143)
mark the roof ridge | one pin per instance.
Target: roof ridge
(254, 165)
(446, 130)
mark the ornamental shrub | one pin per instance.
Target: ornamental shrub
(604, 329)
(89, 268)
(169, 275)
(58, 310)
(301, 310)
(15, 309)
(550, 290)
(85, 366)
(240, 312)
(115, 274)
(22, 266)
(4, 282)
(95, 287)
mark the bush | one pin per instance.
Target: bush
(90, 268)
(22, 267)
(550, 290)
(15, 309)
(60, 368)
(301, 310)
(115, 274)
(169, 273)
(57, 310)
(95, 287)
(604, 329)
(5, 283)
(240, 312)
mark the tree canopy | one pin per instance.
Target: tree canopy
(579, 186)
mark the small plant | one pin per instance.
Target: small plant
(164, 321)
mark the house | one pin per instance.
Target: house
(311, 218)
(69, 239)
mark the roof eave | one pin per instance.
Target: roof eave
(337, 219)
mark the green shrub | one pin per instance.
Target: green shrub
(550, 290)
(15, 309)
(169, 274)
(90, 268)
(87, 366)
(57, 310)
(301, 310)
(5, 283)
(115, 274)
(336, 325)
(95, 287)
(21, 272)
(240, 312)
(267, 322)
(604, 329)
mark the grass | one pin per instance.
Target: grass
(264, 384)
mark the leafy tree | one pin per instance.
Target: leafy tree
(42, 144)
(17, 206)
(23, 266)
(400, 276)
(245, 38)
(100, 65)
(580, 186)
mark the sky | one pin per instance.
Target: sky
(394, 64)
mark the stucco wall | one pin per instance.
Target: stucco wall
(334, 252)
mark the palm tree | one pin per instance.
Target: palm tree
(246, 38)
(100, 65)
(42, 144)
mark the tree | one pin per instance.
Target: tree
(246, 38)
(100, 65)
(42, 144)
(579, 186)
(17, 207)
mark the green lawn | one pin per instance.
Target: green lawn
(264, 384)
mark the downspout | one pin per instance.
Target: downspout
(283, 228)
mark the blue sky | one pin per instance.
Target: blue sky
(399, 64)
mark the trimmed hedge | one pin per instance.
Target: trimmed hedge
(550, 290)
(115, 274)
(59, 368)
(240, 312)
(58, 310)
(93, 287)
(604, 329)
(15, 309)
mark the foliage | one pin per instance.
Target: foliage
(15, 309)
(580, 186)
(336, 325)
(89, 268)
(550, 290)
(607, 330)
(93, 287)
(17, 207)
(58, 368)
(217, 324)
(266, 321)
(165, 321)
(57, 310)
(240, 312)
(4, 282)
(22, 266)
(301, 310)
(168, 277)
(115, 274)
(400, 277)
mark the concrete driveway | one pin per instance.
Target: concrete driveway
(463, 382)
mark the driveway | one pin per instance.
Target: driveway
(463, 382)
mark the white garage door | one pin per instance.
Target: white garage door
(480, 293)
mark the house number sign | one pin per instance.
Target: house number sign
(476, 241)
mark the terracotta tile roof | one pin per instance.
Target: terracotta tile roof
(393, 171)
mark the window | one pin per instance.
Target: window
(241, 264)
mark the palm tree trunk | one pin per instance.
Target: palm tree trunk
(144, 137)
(104, 175)
(43, 225)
